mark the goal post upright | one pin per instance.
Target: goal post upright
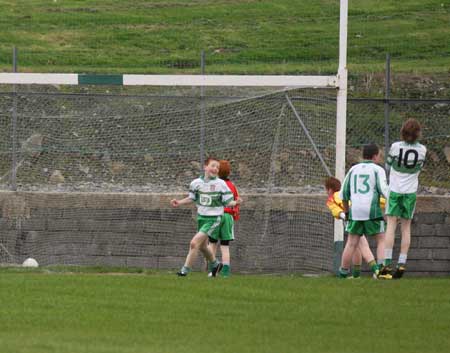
(341, 114)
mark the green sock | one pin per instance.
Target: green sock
(373, 266)
(225, 270)
(387, 262)
(356, 271)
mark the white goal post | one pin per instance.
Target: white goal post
(338, 82)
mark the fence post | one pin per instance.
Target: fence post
(387, 109)
(14, 127)
(202, 113)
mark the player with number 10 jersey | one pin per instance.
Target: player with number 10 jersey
(406, 161)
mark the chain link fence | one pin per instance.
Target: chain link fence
(121, 135)
(380, 120)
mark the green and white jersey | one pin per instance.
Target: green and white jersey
(363, 185)
(210, 196)
(406, 161)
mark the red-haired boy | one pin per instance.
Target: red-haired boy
(231, 214)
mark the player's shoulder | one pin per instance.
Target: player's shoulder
(358, 167)
(394, 147)
(229, 182)
(353, 167)
(422, 147)
(378, 168)
(415, 145)
(336, 197)
(197, 181)
(222, 182)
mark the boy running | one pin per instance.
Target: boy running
(210, 194)
(363, 185)
(406, 159)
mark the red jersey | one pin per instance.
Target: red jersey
(234, 211)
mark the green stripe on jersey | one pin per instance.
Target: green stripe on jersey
(346, 188)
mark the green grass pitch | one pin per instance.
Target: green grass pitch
(52, 311)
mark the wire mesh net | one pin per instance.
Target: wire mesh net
(95, 168)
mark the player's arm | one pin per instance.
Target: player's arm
(229, 200)
(177, 203)
(336, 210)
(345, 206)
(192, 196)
(345, 192)
(382, 185)
(228, 197)
(236, 202)
(383, 203)
(236, 209)
(390, 158)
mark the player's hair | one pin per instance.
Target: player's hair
(224, 169)
(410, 130)
(333, 184)
(209, 159)
(370, 150)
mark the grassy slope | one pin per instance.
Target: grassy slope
(161, 313)
(283, 36)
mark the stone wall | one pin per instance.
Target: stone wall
(429, 252)
(277, 233)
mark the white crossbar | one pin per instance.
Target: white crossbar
(231, 80)
(174, 80)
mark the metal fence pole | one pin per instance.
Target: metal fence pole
(202, 113)
(14, 128)
(387, 109)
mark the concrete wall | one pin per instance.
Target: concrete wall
(276, 234)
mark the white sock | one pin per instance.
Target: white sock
(388, 254)
(402, 258)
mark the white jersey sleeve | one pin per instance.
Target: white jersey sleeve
(193, 189)
(382, 185)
